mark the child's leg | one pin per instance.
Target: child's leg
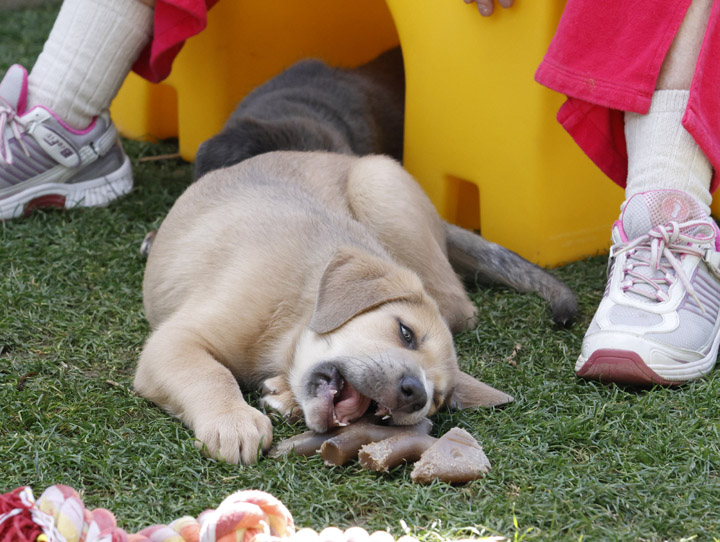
(659, 320)
(58, 146)
(91, 49)
(661, 153)
(679, 66)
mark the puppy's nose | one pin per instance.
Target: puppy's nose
(412, 396)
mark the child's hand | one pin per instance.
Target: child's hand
(486, 7)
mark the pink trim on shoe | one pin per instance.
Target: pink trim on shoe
(22, 99)
(620, 367)
(618, 224)
(64, 124)
(717, 236)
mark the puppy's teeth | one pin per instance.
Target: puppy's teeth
(386, 417)
(343, 424)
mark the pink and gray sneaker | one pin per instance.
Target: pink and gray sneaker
(658, 320)
(45, 163)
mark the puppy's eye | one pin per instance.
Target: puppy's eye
(407, 335)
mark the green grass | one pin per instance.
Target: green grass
(571, 460)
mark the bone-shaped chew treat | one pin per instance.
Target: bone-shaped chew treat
(305, 444)
(386, 454)
(345, 446)
(455, 458)
(345, 441)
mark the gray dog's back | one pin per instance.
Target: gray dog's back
(314, 107)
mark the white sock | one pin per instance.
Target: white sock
(662, 154)
(91, 49)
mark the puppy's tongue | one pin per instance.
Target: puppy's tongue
(350, 404)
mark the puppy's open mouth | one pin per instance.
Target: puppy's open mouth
(342, 403)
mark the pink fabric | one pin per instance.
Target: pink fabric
(606, 58)
(174, 22)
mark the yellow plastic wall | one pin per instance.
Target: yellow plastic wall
(481, 136)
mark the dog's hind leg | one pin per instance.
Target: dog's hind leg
(386, 199)
(177, 372)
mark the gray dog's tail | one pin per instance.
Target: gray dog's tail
(474, 257)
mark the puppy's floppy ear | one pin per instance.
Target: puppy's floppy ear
(355, 281)
(470, 392)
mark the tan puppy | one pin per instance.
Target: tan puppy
(322, 276)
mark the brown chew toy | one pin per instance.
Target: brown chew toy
(386, 454)
(341, 444)
(344, 447)
(456, 457)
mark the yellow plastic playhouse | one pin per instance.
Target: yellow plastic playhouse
(480, 134)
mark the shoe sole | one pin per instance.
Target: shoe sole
(91, 193)
(621, 367)
(627, 367)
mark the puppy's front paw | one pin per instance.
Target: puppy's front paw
(278, 396)
(234, 436)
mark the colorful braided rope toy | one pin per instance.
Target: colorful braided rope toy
(59, 515)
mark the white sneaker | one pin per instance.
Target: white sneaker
(45, 163)
(658, 320)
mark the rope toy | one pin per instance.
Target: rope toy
(59, 515)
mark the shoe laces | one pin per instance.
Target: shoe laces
(8, 117)
(653, 261)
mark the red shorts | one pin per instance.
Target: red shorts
(606, 58)
(175, 21)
